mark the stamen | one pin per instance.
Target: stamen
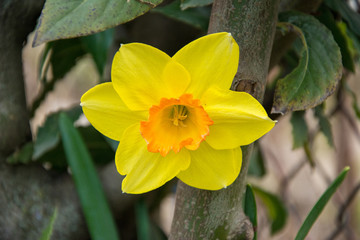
(179, 114)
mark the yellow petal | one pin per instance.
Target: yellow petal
(106, 111)
(145, 170)
(210, 60)
(212, 169)
(239, 119)
(176, 78)
(136, 73)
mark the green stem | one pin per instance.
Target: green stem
(201, 214)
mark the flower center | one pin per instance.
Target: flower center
(174, 124)
(178, 115)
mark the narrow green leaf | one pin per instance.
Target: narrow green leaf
(299, 129)
(142, 220)
(319, 69)
(275, 208)
(100, 151)
(92, 198)
(194, 3)
(324, 123)
(67, 19)
(351, 17)
(256, 165)
(250, 208)
(44, 63)
(325, 17)
(46, 235)
(98, 45)
(319, 206)
(196, 17)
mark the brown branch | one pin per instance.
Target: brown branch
(341, 221)
(201, 214)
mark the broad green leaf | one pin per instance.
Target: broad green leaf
(48, 136)
(100, 151)
(319, 206)
(275, 208)
(68, 19)
(22, 155)
(98, 45)
(197, 17)
(46, 235)
(96, 210)
(299, 129)
(194, 3)
(351, 17)
(250, 208)
(324, 123)
(64, 55)
(325, 17)
(355, 44)
(319, 69)
(355, 105)
(352, 41)
(256, 165)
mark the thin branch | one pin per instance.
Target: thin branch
(341, 219)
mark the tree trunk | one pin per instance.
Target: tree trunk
(201, 214)
(28, 194)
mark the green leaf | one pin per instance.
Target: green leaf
(256, 165)
(250, 208)
(194, 3)
(46, 235)
(355, 105)
(324, 123)
(351, 17)
(22, 155)
(319, 69)
(68, 19)
(48, 136)
(100, 150)
(64, 55)
(142, 221)
(299, 129)
(351, 40)
(319, 206)
(197, 17)
(96, 210)
(325, 17)
(275, 208)
(98, 45)
(145, 228)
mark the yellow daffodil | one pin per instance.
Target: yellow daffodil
(175, 116)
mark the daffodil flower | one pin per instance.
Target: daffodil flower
(175, 116)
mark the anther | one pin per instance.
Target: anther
(179, 114)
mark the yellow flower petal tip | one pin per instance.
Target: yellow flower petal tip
(174, 116)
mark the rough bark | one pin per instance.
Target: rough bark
(17, 20)
(28, 194)
(201, 214)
